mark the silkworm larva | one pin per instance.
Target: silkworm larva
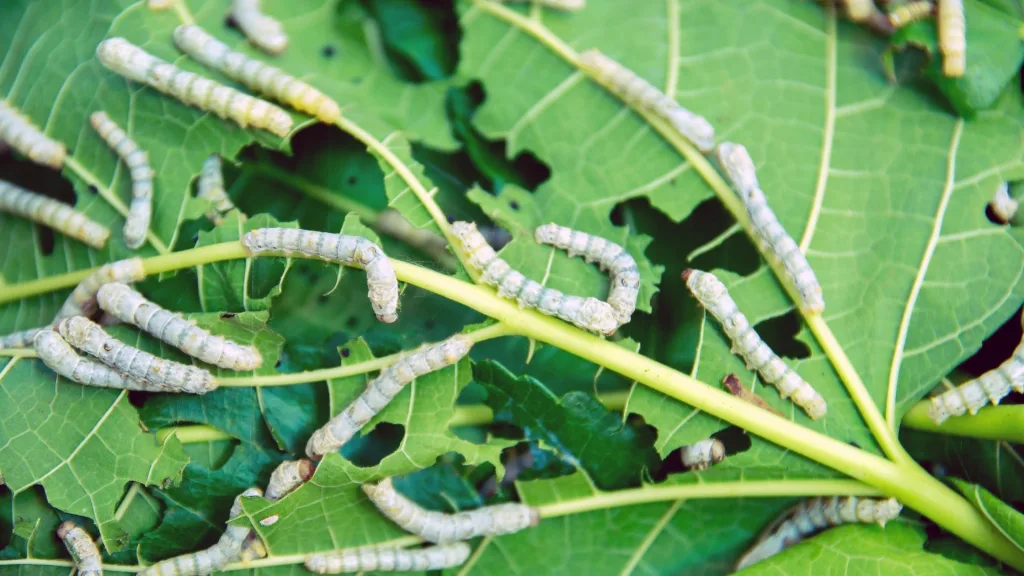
(22, 135)
(635, 91)
(82, 549)
(382, 389)
(159, 4)
(60, 357)
(858, 10)
(263, 78)
(227, 549)
(816, 514)
(373, 559)
(714, 296)
(132, 307)
(288, 476)
(442, 528)
(141, 210)
(703, 454)
(771, 236)
(260, 30)
(989, 388)
(348, 250)
(557, 4)
(586, 313)
(952, 37)
(134, 63)
(911, 12)
(88, 337)
(1004, 207)
(53, 214)
(620, 265)
(211, 187)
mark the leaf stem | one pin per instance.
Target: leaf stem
(18, 352)
(193, 434)
(990, 423)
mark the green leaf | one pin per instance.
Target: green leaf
(993, 465)
(1009, 521)
(31, 520)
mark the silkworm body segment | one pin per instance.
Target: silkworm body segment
(140, 212)
(82, 549)
(910, 12)
(211, 187)
(703, 454)
(260, 30)
(952, 37)
(25, 137)
(989, 388)
(60, 357)
(53, 214)
(375, 559)
(288, 476)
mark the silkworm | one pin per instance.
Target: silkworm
(376, 559)
(53, 214)
(263, 78)
(587, 313)
(714, 296)
(82, 549)
(989, 388)
(1004, 207)
(211, 187)
(557, 4)
(88, 337)
(952, 37)
(60, 357)
(227, 548)
(620, 265)
(382, 389)
(858, 10)
(25, 137)
(816, 514)
(635, 91)
(911, 12)
(442, 528)
(122, 57)
(260, 30)
(769, 233)
(130, 306)
(140, 212)
(288, 476)
(703, 454)
(349, 250)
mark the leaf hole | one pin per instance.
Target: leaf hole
(780, 335)
(46, 240)
(227, 315)
(352, 322)
(328, 51)
(368, 450)
(94, 189)
(345, 352)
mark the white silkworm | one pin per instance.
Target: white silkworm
(714, 296)
(130, 306)
(911, 12)
(228, 548)
(635, 91)
(211, 187)
(990, 387)
(586, 313)
(260, 30)
(816, 514)
(60, 357)
(88, 337)
(22, 135)
(442, 528)
(382, 389)
(953, 37)
(557, 4)
(288, 476)
(263, 78)
(134, 63)
(1004, 207)
(82, 549)
(770, 235)
(159, 4)
(140, 212)
(858, 10)
(621, 267)
(348, 250)
(53, 214)
(375, 559)
(703, 454)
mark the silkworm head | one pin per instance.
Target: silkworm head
(456, 348)
(306, 469)
(717, 451)
(64, 528)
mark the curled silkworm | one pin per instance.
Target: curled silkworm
(130, 306)
(382, 389)
(288, 476)
(211, 187)
(88, 337)
(635, 91)
(586, 313)
(953, 37)
(770, 235)
(22, 135)
(1004, 207)
(53, 214)
(227, 549)
(134, 63)
(376, 559)
(620, 265)
(60, 357)
(349, 250)
(260, 30)
(82, 549)
(989, 388)
(714, 296)
(557, 4)
(442, 528)
(703, 454)
(911, 12)
(265, 79)
(816, 514)
(141, 210)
